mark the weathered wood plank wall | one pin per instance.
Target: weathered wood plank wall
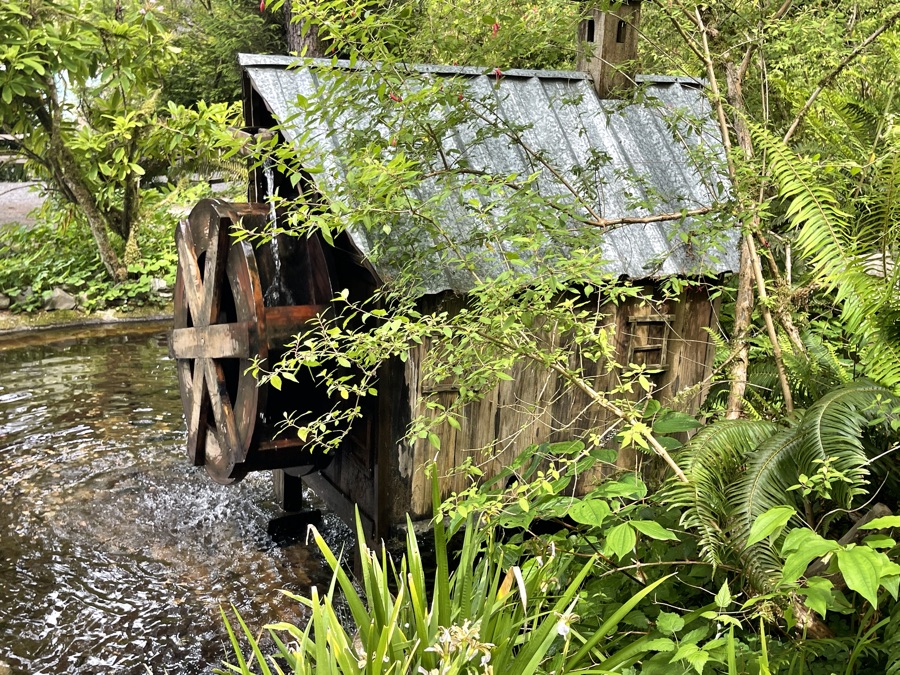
(537, 407)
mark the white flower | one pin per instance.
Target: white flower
(566, 619)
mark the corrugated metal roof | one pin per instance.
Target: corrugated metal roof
(651, 158)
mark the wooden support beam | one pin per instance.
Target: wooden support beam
(283, 323)
(219, 341)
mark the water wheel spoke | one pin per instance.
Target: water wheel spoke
(198, 414)
(219, 341)
(214, 274)
(222, 411)
(193, 283)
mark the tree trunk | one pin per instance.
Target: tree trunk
(67, 175)
(743, 309)
(305, 45)
(66, 172)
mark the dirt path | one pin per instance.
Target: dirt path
(17, 200)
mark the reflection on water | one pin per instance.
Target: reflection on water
(115, 553)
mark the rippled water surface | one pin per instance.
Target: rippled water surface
(115, 554)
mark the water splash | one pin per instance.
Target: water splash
(115, 552)
(277, 293)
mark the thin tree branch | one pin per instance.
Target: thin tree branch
(717, 95)
(825, 81)
(667, 563)
(656, 218)
(770, 326)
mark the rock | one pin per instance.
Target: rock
(157, 285)
(24, 296)
(5, 302)
(59, 299)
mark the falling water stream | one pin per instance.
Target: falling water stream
(115, 553)
(277, 293)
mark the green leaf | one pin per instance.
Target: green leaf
(565, 447)
(589, 512)
(653, 530)
(627, 486)
(660, 645)
(891, 585)
(695, 635)
(620, 540)
(882, 523)
(685, 651)
(861, 568)
(723, 597)
(801, 538)
(806, 546)
(275, 381)
(698, 660)
(669, 623)
(878, 540)
(818, 595)
(653, 406)
(769, 523)
(674, 422)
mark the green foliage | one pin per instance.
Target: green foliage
(492, 33)
(528, 249)
(55, 252)
(80, 87)
(559, 603)
(742, 469)
(209, 36)
(763, 583)
(492, 614)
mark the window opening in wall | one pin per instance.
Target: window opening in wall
(620, 31)
(649, 341)
(590, 30)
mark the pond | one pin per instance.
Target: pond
(115, 553)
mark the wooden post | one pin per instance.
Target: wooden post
(288, 491)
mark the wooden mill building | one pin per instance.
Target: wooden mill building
(660, 149)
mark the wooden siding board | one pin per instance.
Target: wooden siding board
(538, 406)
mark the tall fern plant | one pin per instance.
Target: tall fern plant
(847, 229)
(821, 464)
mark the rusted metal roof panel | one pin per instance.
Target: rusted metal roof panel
(652, 155)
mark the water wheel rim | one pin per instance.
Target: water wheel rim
(215, 342)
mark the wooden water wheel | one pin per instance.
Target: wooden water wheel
(236, 303)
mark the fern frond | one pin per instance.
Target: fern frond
(843, 247)
(857, 124)
(823, 228)
(863, 313)
(879, 210)
(712, 460)
(738, 469)
(833, 427)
